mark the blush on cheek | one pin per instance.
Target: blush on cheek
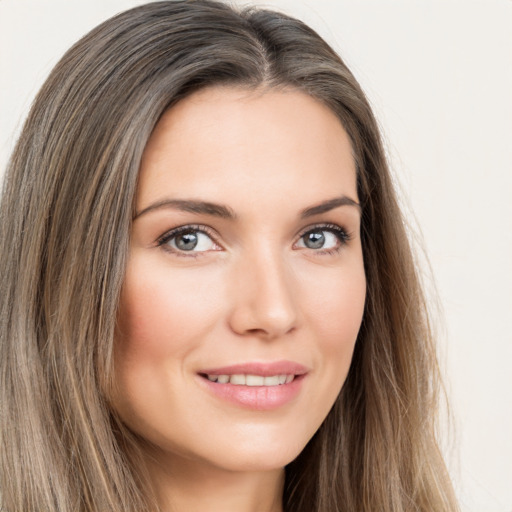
(162, 317)
(140, 335)
(339, 304)
(338, 316)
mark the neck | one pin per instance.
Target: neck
(190, 486)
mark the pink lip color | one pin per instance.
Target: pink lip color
(260, 398)
(260, 368)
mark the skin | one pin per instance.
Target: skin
(252, 290)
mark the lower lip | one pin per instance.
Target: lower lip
(259, 398)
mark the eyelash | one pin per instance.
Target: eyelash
(173, 233)
(341, 234)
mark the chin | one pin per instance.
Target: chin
(265, 455)
(258, 462)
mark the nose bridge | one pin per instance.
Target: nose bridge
(264, 300)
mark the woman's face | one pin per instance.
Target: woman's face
(245, 286)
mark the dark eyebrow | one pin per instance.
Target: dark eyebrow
(192, 206)
(218, 210)
(329, 205)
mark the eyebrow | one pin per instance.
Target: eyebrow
(329, 205)
(225, 212)
(192, 206)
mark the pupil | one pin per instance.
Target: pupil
(315, 240)
(186, 241)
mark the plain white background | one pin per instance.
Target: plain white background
(439, 75)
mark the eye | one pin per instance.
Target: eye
(323, 238)
(189, 239)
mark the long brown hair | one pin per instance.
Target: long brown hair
(64, 229)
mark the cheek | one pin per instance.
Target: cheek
(164, 317)
(164, 313)
(335, 305)
(334, 312)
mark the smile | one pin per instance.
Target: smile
(257, 386)
(258, 397)
(252, 380)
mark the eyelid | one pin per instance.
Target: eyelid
(174, 232)
(328, 226)
(343, 235)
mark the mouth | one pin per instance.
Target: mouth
(251, 380)
(257, 386)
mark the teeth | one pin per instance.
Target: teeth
(271, 381)
(252, 380)
(237, 380)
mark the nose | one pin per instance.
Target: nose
(264, 302)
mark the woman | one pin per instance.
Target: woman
(209, 297)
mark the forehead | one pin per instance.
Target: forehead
(237, 147)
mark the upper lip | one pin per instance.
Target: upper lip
(265, 369)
